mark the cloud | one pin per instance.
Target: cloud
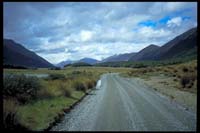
(85, 35)
(72, 30)
(149, 32)
(174, 22)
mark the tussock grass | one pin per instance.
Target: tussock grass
(51, 95)
(187, 80)
(10, 115)
(9, 111)
(38, 115)
(79, 86)
(56, 77)
(184, 74)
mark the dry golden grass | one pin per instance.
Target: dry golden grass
(10, 119)
(185, 74)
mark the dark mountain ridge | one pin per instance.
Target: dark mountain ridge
(17, 55)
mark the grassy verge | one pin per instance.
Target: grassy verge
(184, 74)
(35, 103)
(38, 115)
(178, 82)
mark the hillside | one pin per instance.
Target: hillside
(88, 60)
(182, 46)
(63, 63)
(145, 54)
(17, 55)
(120, 57)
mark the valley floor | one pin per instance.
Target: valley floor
(138, 99)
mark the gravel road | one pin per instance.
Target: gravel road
(121, 104)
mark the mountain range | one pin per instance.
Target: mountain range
(84, 60)
(120, 57)
(17, 55)
(181, 46)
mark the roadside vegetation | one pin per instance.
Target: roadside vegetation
(178, 81)
(185, 74)
(144, 64)
(33, 103)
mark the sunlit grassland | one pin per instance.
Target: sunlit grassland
(178, 82)
(67, 70)
(183, 74)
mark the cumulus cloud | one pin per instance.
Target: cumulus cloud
(174, 22)
(85, 35)
(72, 30)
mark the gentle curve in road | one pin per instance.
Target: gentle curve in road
(121, 104)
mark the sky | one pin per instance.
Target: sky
(59, 31)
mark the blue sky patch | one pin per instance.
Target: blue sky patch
(164, 19)
(147, 23)
(186, 18)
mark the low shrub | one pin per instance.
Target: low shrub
(174, 75)
(79, 86)
(66, 91)
(9, 113)
(10, 118)
(54, 68)
(21, 87)
(76, 72)
(166, 70)
(143, 71)
(51, 89)
(56, 76)
(139, 65)
(90, 84)
(44, 93)
(15, 67)
(185, 69)
(150, 70)
(186, 79)
(175, 71)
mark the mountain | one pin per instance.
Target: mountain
(83, 60)
(182, 46)
(17, 55)
(63, 63)
(145, 53)
(120, 57)
(88, 60)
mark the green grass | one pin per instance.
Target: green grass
(56, 93)
(60, 92)
(38, 115)
(66, 71)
